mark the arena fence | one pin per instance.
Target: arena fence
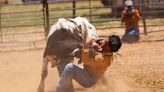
(17, 19)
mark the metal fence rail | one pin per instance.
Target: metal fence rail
(45, 10)
(46, 13)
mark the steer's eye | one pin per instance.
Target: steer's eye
(79, 26)
(90, 27)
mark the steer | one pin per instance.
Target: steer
(65, 36)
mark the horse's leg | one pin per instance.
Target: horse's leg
(44, 74)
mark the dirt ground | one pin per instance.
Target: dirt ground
(140, 68)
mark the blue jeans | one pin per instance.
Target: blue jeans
(72, 71)
(61, 65)
(131, 35)
(132, 31)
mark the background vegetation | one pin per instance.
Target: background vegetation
(22, 15)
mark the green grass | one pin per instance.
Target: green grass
(27, 15)
(6, 18)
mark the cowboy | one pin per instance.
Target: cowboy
(130, 17)
(95, 63)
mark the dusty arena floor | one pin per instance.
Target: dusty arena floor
(140, 68)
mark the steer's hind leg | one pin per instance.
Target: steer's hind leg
(44, 74)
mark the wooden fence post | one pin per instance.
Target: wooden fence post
(143, 18)
(90, 12)
(1, 33)
(144, 23)
(74, 9)
(46, 17)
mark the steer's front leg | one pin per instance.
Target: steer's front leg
(44, 74)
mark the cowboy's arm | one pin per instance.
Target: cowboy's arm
(123, 16)
(88, 54)
(85, 54)
(137, 15)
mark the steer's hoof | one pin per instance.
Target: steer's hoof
(53, 65)
(40, 88)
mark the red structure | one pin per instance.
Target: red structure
(3, 1)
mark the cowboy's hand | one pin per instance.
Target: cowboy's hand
(131, 12)
(95, 46)
(124, 12)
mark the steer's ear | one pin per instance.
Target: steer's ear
(77, 53)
